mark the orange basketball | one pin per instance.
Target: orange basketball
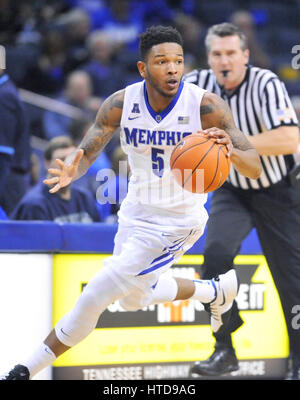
(200, 164)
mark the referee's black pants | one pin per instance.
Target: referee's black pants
(275, 213)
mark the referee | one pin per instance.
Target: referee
(263, 111)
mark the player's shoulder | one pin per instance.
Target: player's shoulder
(193, 93)
(212, 102)
(116, 98)
(134, 89)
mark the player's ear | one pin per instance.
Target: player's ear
(142, 68)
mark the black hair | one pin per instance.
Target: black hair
(156, 35)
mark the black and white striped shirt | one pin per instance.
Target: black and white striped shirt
(260, 103)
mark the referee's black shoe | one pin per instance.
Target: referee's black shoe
(18, 373)
(222, 361)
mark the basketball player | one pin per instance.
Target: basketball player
(156, 225)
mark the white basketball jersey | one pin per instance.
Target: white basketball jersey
(148, 138)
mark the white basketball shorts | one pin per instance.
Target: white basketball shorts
(144, 250)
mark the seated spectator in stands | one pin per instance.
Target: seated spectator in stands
(244, 20)
(76, 26)
(14, 145)
(106, 76)
(123, 20)
(47, 74)
(78, 93)
(71, 204)
(191, 30)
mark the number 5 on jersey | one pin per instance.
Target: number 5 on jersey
(157, 161)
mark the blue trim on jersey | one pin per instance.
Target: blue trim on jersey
(154, 267)
(158, 117)
(160, 257)
(154, 286)
(7, 149)
(179, 243)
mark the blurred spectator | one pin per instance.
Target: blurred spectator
(10, 21)
(70, 204)
(76, 27)
(48, 75)
(191, 30)
(244, 20)
(122, 20)
(14, 145)
(78, 93)
(106, 75)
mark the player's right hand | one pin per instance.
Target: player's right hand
(64, 175)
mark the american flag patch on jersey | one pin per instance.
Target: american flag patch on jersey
(183, 120)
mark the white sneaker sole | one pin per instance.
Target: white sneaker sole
(229, 283)
(229, 286)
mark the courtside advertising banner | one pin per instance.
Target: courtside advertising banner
(163, 341)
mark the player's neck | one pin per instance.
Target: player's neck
(157, 101)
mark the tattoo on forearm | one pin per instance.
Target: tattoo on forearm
(239, 141)
(104, 127)
(226, 122)
(95, 140)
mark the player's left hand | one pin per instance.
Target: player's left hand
(64, 174)
(221, 137)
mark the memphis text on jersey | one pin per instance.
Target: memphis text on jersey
(137, 136)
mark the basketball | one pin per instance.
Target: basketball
(199, 164)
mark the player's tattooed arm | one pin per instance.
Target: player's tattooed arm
(107, 121)
(215, 112)
(217, 121)
(99, 134)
